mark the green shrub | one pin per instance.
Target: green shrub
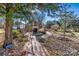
(16, 33)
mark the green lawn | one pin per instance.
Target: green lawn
(1, 30)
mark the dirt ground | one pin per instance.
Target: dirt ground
(59, 46)
(56, 46)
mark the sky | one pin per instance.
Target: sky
(74, 7)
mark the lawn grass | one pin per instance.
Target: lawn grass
(2, 31)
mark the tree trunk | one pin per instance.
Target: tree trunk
(8, 23)
(64, 28)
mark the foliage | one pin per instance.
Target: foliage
(16, 33)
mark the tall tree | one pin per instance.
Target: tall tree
(9, 10)
(8, 22)
(64, 14)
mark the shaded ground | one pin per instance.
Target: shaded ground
(31, 47)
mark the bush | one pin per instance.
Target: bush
(16, 33)
(19, 35)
